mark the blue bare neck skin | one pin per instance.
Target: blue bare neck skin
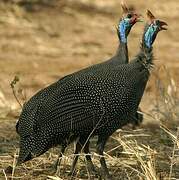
(124, 24)
(122, 51)
(145, 55)
(149, 35)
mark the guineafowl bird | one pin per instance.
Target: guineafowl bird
(33, 106)
(93, 101)
(129, 18)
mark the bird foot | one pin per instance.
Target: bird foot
(92, 171)
(105, 175)
(109, 177)
(57, 171)
(72, 173)
(53, 169)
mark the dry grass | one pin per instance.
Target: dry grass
(167, 102)
(137, 160)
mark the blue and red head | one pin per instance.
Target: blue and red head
(152, 28)
(129, 18)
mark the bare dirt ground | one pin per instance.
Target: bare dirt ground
(41, 42)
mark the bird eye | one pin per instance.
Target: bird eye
(129, 15)
(157, 22)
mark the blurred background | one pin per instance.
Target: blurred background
(44, 40)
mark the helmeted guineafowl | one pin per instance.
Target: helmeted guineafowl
(29, 116)
(129, 18)
(97, 100)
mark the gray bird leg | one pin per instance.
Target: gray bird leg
(56, 165)
(100, 148)
(90, 165)
(76, 155)
(81, 143)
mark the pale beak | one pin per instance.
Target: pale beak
(139, 19)
(162, 23)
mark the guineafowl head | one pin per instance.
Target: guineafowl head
(152, 28)
(34, 140)
(33, 146)
(26, 147)
(24, 128)
(127, 21)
